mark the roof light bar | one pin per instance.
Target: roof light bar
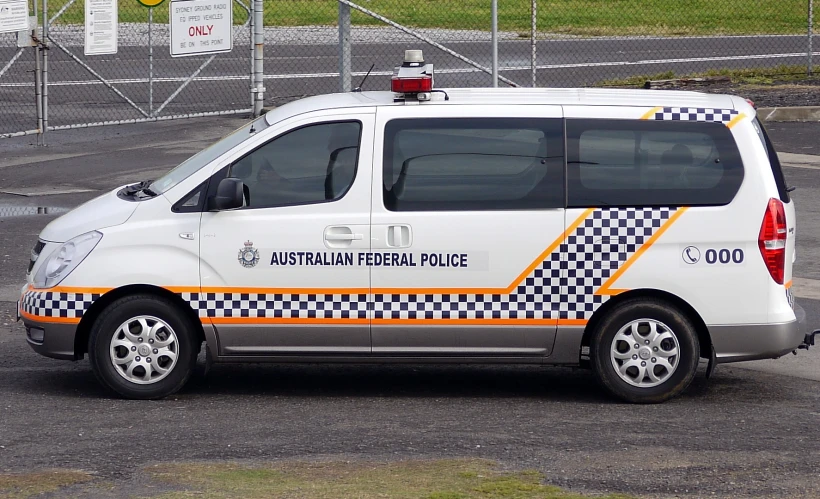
(414, 78)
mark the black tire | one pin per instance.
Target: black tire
(603, 363)
(125, 309)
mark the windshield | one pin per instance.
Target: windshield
(205, 156)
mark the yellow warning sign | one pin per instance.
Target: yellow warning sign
(150, 3)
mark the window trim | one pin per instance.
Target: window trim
(549, 126)
(573, 175)
(225, 171)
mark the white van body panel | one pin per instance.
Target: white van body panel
(103, 211)
(198, 256)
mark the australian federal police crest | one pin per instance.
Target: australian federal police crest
(248, 256)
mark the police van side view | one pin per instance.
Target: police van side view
(630, 232)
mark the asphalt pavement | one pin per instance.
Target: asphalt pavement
(747, 431)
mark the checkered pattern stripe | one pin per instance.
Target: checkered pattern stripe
(62, 305)
(592, 253)
(790, 297)
(278, 306)
(597, 249)
(531, 299)
(696, 114)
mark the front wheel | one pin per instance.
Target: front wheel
(143, 347)
(645, 351)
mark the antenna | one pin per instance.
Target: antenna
(359, 88)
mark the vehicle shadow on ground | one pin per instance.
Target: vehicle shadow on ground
(411, 381)
(426, 381)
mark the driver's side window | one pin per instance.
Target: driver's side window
(312, 164)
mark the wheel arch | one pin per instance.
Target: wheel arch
(91, 315)
(704, 338)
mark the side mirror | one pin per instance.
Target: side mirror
(229, 195)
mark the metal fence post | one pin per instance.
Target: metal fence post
(345, 69)
(44, 73)
(532, 39)
(258, 60)
(38, 102)
(150, 63)
(809, 67)
(494, 14)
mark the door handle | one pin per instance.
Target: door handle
(399, 236)
(343, 237)
(340, 236)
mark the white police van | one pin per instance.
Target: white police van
(632, 232)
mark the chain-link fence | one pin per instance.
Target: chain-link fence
(540, 43)
(321, 46)
(18, 99)
(141, 81)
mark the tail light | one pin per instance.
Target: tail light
(772, 240)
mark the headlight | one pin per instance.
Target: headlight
(65, 259)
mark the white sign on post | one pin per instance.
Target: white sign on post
(13, 15)
(101, 27)
(201, 27)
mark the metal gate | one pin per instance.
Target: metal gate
(18, 89)
(141, 82)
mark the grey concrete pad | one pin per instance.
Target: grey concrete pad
(786, 114)
(11, 293)
(44, 190)
(799, 160)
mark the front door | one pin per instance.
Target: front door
(468, 220)
(279, 275)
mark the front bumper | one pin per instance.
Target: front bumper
(50, 339)
(736, 343)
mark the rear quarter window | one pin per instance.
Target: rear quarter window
(651, 163)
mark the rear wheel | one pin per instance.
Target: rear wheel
(143, 347)
(645, 351)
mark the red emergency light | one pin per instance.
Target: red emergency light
(414, 78)
(412, 85)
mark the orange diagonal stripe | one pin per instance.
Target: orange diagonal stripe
(605, 288)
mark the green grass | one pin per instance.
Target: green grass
(750, 76)
(23, 485)
(442, 479)
(572, 17)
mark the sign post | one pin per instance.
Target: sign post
(101, 24)
(200, 27)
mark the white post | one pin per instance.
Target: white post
(258, 60)
(345, 70)
(150, 62)
(494, 14)
(810, 68)
(44, 75)
(38, 83)
(532, 39)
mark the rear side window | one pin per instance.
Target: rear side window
(774, 161)
(473, 164)
(650, 163)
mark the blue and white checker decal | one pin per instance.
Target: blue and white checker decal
(593, 252)
(597, 249)
(278, 306)
(790, 297)
(56, 304)
(696, 114)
